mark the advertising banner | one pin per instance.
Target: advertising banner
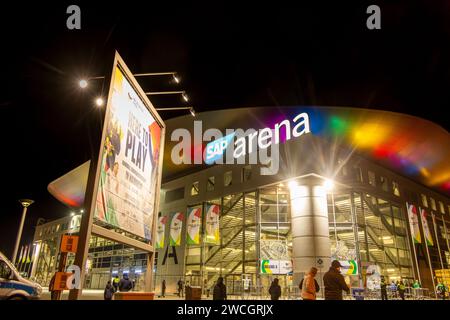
(276, 266)
(160, 232)
(193, 224)
(426, 228)
(212, 224)
(413, 222)
(176, 225)
(129, 163)
(274, 250)
(349, 267)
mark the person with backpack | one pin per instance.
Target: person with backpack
(309, 285)
(275, 290)
(109, 291)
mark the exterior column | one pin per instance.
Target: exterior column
(310, 234)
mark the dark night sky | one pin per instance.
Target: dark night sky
(228, 56)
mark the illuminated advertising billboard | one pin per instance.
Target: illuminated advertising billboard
(129, 174)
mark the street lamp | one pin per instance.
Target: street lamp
(25, 204)
(99, 102)
(328, 184)
(83, 83)
(191, 109)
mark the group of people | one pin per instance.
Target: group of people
(122, 285)
(395, 287)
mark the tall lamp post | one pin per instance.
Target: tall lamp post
(25, 203)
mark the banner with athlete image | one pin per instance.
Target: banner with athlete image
(413, 222)
(129, 163)
(212, 224)
(176, 225)
(193, 224)
(160, 232)
(426, 228)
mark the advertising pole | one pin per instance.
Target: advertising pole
(411, 231)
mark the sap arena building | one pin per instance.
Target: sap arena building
(257, 193)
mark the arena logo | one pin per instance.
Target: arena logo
(250, 146)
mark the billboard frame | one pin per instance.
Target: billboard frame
(87, 226)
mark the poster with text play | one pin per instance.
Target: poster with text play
(129, 165)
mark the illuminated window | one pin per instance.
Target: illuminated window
(395, 188)
(441, 207)
(372, 181)
(424, 200)
(384, 183)
(210, 184)
(228, 178)
(246, 173)
(433, 204)
(194, 188)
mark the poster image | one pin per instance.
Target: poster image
(176, 225)
(212, 224)
(193, 224)
(276, 266)
(160, 232)
(349, 267)
(413, 223)
(426, 228)
(129, 162)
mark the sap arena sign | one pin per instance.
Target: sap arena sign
(260, 146)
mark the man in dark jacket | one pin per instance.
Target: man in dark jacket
(220, 290)
(334, 282)
(275, 290)
(125, 284)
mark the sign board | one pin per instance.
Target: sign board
(129, 163)
(276, 266)
(60, 283)
(349, 267)
(69, 243)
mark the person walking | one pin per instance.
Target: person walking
(163, 288)
(416, 289)
(220, 290)
(51, 288)
(125, 284)
(180, 288)
(383, 287)
(401, 289)
(275, 290)
(309, 285)
(334, 282)
(109, 291)
(115, 283)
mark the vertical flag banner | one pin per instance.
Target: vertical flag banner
(212, 224)
(426, 228)
(194, 221)
(160, 231)
(176, 226)
(413, 222)
(129, 162)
